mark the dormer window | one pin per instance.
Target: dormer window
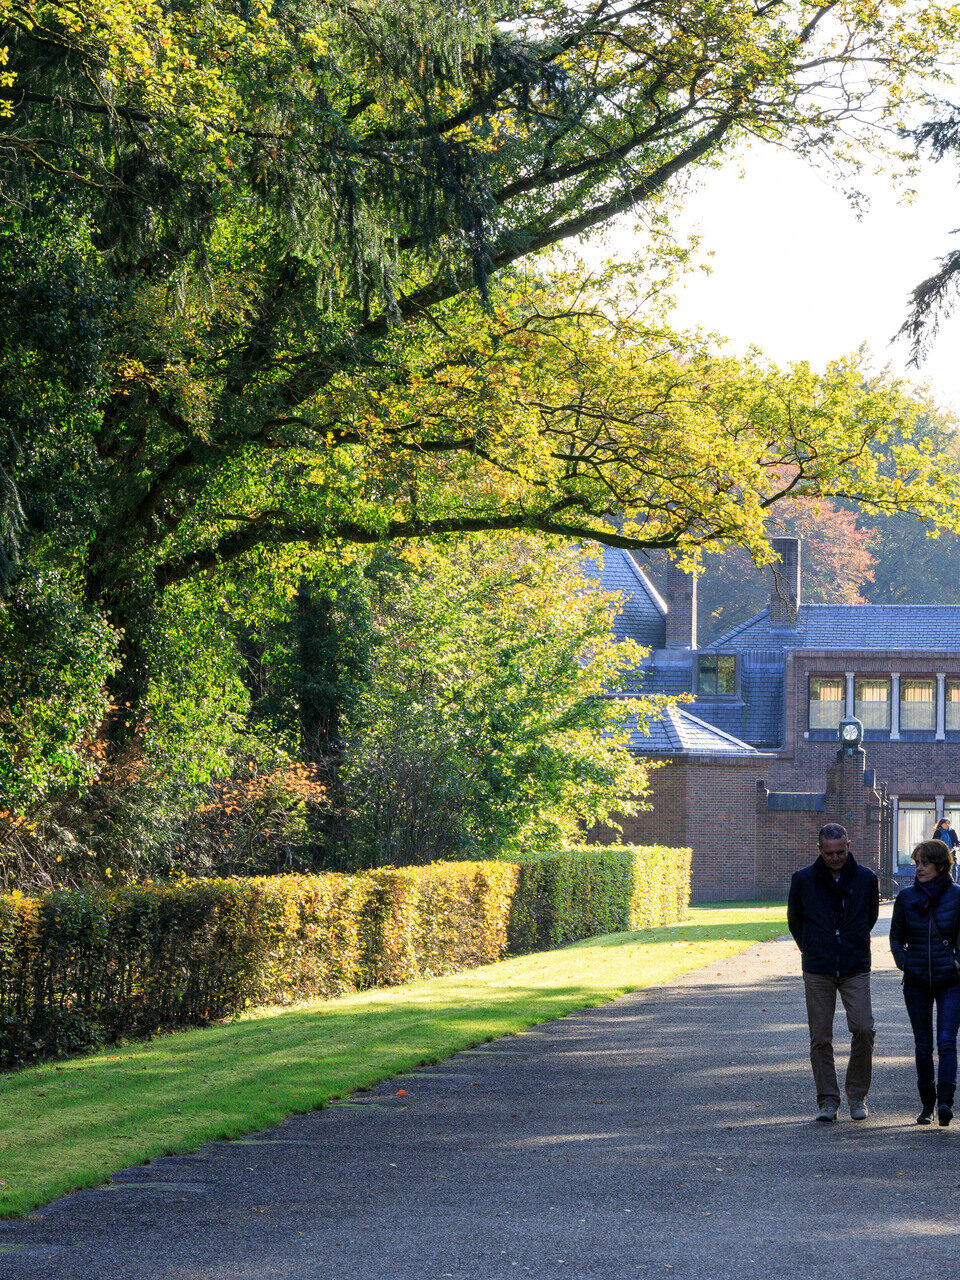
(717, 675)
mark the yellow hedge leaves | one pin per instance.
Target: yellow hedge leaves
(78, 969)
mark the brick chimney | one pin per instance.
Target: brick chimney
(681, 608)
(785, 593)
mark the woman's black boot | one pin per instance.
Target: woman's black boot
(928, 1100)
(944, 1106)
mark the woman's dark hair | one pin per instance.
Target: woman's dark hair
(935, 852)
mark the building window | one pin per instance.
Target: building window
(717, 675)
(826, 702)
(915, 822)
(918, 709)
(872, 703)
(952, 708)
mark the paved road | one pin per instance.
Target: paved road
(666, 1134)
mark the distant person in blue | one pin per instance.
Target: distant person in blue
(943, 831)
(924, 939)
(832, 906)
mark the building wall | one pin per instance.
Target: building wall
(910, 769)
(710, 805)
(787, 839)
(720, 808)
(665, 821)
(721, 826)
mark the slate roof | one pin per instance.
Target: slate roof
(757, 716)
(728, 726)
(669, 672)
(867, 627)
(644, 612)
(677, 732)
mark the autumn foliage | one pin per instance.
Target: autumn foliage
(257, 817)
(79, 969)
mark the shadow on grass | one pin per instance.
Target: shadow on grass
(74, 1123)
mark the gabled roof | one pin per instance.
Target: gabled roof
(868, 627)
(677, 732)
(756, 716)
(643, 615)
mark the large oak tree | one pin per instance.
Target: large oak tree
(272, 267)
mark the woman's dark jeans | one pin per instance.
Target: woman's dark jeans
(920, 1002)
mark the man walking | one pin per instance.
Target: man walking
(833, 905)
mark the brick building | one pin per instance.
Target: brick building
(751, 766)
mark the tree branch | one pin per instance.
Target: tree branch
(262, 533)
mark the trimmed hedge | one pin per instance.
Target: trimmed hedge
(80, 969)
(590, 889)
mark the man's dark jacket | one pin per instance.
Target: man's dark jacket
(831, 920)
(921, 940)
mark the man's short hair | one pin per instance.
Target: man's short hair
(833, 831)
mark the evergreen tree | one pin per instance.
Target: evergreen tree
(274, 279)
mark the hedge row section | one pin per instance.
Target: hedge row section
(592, 889)
(80, 969)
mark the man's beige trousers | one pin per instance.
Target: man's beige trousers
(821, 992)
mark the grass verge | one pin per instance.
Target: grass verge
(71, 1124)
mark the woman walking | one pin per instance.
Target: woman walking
(924, 940)
(943, 831)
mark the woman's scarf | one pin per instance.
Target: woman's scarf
(931, 891)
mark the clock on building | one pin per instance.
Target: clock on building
(851, 731)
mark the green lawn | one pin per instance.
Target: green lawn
(71, 1124)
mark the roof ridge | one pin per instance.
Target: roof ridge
(655, 597)
(866, 604)
(742, 626)
(672, 731)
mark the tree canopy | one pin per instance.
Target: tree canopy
(276, 287)
(299, 227)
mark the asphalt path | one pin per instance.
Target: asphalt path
(669, 1133)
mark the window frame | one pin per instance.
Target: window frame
(841, 702)
(951, 682)
(715, 693)
(858, 702)
(928, 807)
(928, 682)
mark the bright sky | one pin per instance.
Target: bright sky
(798, 275)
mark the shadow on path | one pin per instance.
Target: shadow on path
(668, 1134)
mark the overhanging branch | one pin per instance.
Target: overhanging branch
(270, 534)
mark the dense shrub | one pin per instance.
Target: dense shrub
(426, 921)
(79, 969)
(576, 893)
(661, 886)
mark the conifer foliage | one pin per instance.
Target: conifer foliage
(274, 266)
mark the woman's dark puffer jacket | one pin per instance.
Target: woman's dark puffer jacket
(917, 946)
